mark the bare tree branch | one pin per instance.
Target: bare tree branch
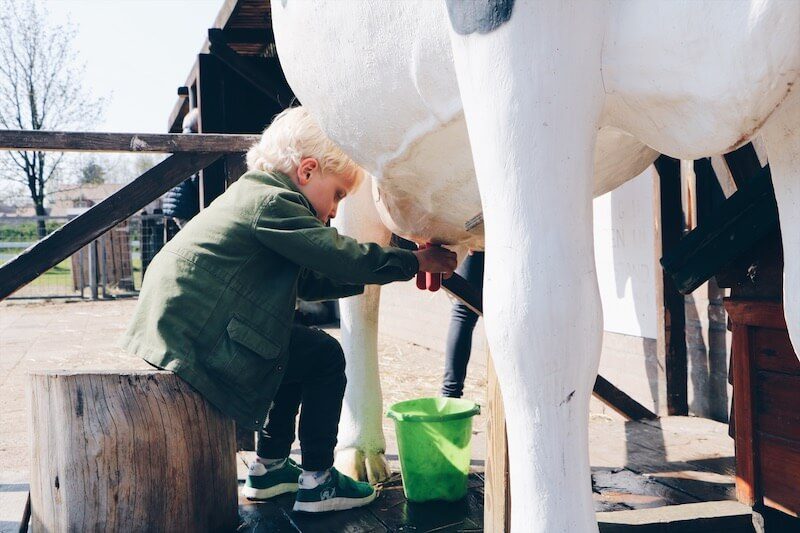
(41, 87)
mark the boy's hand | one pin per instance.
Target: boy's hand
(436, 259)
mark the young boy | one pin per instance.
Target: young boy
(217, 302)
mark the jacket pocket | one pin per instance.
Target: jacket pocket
(243, 359)
(251, 339)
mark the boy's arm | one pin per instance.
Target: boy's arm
(313, 287)
(288, 227)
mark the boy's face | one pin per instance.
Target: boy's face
(323, 189)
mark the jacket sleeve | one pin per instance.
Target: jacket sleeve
(289, 228)
(313, 287)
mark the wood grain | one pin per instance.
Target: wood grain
(72, 141)
(140, 451)
(746, 445)
(497, 504)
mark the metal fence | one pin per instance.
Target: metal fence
(111, 266)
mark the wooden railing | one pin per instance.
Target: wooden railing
(191, 153)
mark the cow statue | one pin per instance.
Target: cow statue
(526, 110)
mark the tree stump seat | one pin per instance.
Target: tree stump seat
(130, 451)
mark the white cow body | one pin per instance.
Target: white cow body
(398, 89)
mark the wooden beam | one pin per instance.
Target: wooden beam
(257, 78)
(211, 89)
(82, 230)
(606, 392)
(72, 141)
(496, 490)
(739, 224)
(248, 35)
(743, 164)
(671, 345)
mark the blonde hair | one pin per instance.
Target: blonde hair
(293, 136)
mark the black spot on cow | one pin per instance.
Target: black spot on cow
(482, 16)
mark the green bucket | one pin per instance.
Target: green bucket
(433, 436)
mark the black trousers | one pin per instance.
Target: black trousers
(459, 336)
(314, 378)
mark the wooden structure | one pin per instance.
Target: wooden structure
(129, 452)
(237, 84)
(112, 253)
(740, 244)
(766, 380)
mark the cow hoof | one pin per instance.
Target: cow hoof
(363, 466)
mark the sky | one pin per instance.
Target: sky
(137, 53)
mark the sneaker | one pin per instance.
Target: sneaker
(262, 485)
(337, 493)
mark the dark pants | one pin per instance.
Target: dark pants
(314, 377)
(459, 336)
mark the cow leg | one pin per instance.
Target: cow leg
(782, 136)
(532, 96)
(361, 446)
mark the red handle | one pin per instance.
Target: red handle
(422, 282)
(433, 280)
(428, 280)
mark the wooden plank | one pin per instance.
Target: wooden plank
(73, 141)
(746, 446)
(755, 313)
(98, 219)
(248, 35)
(779, 462)
(778, 405)
(620, 402)
(395, 513)
(739, 224)
(497, 504)
(705, 517)
(773, 351)
(671, 348)
(229, 57)
(743, 164)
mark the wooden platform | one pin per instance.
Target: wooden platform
(390, 512)
(673, 474)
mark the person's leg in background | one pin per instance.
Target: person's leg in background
(462, 325)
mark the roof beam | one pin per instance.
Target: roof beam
(235, 62)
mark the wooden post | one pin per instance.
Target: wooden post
(671, 343)
(139, 451)
(211, 101)
(497, 493)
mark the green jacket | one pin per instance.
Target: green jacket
(217, 302)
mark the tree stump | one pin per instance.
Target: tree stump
(139, 451)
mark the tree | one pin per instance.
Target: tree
(93, 173)
(41, 88)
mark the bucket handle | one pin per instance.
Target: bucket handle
(407, 417)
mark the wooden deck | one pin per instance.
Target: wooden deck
(656, 472)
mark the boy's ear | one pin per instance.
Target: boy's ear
(304, 170)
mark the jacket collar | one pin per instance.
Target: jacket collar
(287, 182)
